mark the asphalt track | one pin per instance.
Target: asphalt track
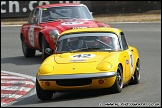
(145, 36)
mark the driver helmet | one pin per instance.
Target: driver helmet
(46, 12)
(73, 41)
(105, 39)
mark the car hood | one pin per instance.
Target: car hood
(78, 63)
(70, 24)
(82, 57)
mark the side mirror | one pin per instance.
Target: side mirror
(49, 51)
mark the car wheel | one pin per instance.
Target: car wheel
(44, 46)
(43, 94)
(136, 76)
(26, 50)
(118, 85)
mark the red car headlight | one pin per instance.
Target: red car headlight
(54, 33)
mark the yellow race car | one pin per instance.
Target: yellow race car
(86, 59)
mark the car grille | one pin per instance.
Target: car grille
(74, 82)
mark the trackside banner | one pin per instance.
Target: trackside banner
(15, 9)
(20, 9)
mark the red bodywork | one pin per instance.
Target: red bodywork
(32, 32)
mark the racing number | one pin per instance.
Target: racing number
(83, 56)
(31, 35)
(131, 61)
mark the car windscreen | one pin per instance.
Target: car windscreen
(66, 12)
(88, 42)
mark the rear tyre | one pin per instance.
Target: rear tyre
(26, 50)
(118, 85)
(44, 46)
(43, 94)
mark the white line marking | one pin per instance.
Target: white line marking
(18, 74)
(4, 74)
(2, 103)
(14, 88)
(12, 82)
(9, 25)
(11, 96)
(11, 77)
(106, 23)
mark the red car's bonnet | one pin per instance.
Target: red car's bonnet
(71, 24)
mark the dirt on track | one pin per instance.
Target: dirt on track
(151, 16)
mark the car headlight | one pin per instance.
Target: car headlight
(45, 69)
(54, 33)
(104, 66)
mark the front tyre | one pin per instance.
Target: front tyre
(44, 46)
(26, 50)
(43, 94)
(118, 85)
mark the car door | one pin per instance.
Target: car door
(33, 28)
(128, 57)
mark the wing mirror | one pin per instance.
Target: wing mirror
(49, 51)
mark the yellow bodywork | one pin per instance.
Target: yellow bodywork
(108, 82)
(114, 30)
(66, 64)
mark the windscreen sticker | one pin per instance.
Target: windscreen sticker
(44, 8)
(82, 56)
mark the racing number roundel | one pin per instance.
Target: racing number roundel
(131, 61)
(82, 56)
(31, 35)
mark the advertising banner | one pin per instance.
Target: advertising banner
(13, 9)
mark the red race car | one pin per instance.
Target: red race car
(47, 21)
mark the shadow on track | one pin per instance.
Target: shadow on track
(21, 60)
(63, 96)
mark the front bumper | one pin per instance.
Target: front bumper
(76, 76)
(77, 81)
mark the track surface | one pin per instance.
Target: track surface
(145, 36)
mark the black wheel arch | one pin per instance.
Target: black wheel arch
(40, 37)
(121, 67)
(21, 36)
(40, 40)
